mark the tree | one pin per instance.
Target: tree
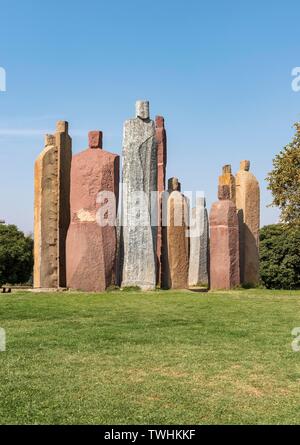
(16, 255)
(280, 256)
(284, 181)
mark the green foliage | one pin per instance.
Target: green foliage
(16, 255)
(280, 256)
(284, 180)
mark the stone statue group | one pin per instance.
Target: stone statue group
(89, 235)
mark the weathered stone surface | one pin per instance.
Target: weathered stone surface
(248, 207)
(227, 178)
(224, 242)
(161, 140)
(176, 240)
(142, 109)
(46, 212)
(95, 139)
(137, 235)
(91, 246)
(64, 144)
(52, 209)
(199, 245)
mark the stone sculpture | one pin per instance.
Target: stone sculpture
(91, 240)
(227, 178)
(138, 230)
(161, 140)
(248, 207)
(224, 242)
(199, 245)
(52, 209)
(176, 240)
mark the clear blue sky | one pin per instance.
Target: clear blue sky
(220, 73)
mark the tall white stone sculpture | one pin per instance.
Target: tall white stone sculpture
(199, 248)
(137, 235)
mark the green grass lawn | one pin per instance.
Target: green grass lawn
(160, 357)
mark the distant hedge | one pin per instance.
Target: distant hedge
(16, 255)
(280, 257)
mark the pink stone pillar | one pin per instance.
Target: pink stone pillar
(91, 245)
(224, 242)
(161, 139)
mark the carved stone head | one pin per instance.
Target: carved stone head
(142, 109)
(62, 126)
(159, 122)
(95, 139)
(245, 165)
(174, 185)
(226, 169)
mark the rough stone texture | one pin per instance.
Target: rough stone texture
(161, 140)
(199, 245)
(248, 207)
(174, 185)
(137, 235)
(227, 178)
(64, 144)
(224, 243)
(176, 240)
(95, 139)
(52, 209)
(142, 109)
(91, 247)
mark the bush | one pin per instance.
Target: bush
(280, 257)
(16, 255)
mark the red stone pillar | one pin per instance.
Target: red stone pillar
(91, 246)
(161, 139)
(224, 242)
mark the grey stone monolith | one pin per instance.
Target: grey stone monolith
(137, 236)
(199, 245)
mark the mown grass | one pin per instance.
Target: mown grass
(153, 358)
